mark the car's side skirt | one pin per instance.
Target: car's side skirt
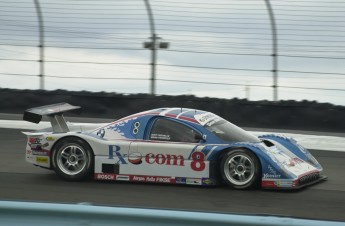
(171, 170)
(156, 179)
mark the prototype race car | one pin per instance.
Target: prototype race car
(169, 145)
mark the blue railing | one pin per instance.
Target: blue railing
(30, 213)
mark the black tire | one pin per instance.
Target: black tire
(73, 159)
(240, 169)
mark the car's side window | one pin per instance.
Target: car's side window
(168, 130)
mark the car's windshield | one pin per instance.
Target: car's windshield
(229, 132)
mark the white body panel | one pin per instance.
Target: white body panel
(289, 161)
(128, 157)
(154, 159)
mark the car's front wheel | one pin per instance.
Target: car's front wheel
(73, 159)
(240, 169)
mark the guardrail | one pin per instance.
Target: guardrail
(30, 213)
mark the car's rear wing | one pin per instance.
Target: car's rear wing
(54, 113)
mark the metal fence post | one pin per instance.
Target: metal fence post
(274, 50)
(153, 48)
(41, 40)
(154, 44)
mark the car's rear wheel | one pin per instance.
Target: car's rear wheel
(73, 159)
(240, 169)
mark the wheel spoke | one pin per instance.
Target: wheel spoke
(243, 160)
(80, 157)
(76, 165)
(231, 167)
(73, 150)
(241, 177)
(66, 164)
(234, 162)
(64, 155)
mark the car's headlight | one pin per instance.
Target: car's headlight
(310, 157)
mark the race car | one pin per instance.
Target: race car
(168, 145)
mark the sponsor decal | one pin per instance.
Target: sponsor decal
(195, 181)
(291, 162)
(122, 177)
(135, 158)
(272, 171)
(286, 184)
(267, 183)
(38, 151)
(267, 175)
(180, 180)
(164, 180)
(41, 152)
(116, 149)
(42, 159)
(207, 118)
(155, 136)
(277, 183)
(207, 181)
(100, 133)
(298, 160)
(198, 163)
(36, 147)
(136, 127)
(161, 159)
(204, 117)
(31, 158)
(34, 140)
(138, 178)
(104, 176)
(156, 179)
(50, 138)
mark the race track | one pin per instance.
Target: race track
(22, 181)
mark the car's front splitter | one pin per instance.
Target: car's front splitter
(287, 184)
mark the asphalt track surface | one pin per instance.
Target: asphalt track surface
(21, 181)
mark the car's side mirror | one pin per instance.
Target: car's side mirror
(199, 137)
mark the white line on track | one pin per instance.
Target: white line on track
(326, 143)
